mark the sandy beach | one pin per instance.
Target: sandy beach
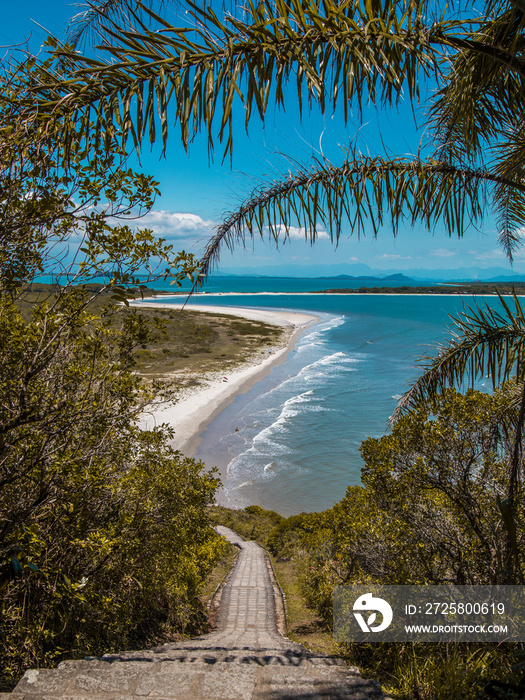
(194, 411)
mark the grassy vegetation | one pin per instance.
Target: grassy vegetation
(252, 523)
(219, 572)
(303, 624)
(194, 341)
(187, 343)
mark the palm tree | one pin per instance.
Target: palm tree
(486, 341)
(143, 78)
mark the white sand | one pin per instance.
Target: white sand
(194, 411)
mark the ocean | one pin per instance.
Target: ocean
(291, 443)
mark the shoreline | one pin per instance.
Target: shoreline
(193, 413)
(333, 294)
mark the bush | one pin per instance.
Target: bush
(252, 522)
(427, 513)
(105, 538)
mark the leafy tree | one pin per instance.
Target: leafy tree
(427, 512)
(442, 472)
(104, 533)
(486, 341)
(73, 219)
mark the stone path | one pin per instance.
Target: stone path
(245, 658)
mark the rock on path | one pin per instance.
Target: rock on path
(244, 658)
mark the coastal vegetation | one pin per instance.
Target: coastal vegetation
(427, 512)
(183, 345)
(105, 537)
(106, 540)
(471, 288)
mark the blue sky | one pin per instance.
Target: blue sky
(196, 193)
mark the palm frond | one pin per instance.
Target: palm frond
(510, 207)
(482, 88)
(89, 21)
(485, 342)
(92, 23)
(362, 195)
(335, 52)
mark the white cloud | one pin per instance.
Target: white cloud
(170, 224)
(299, 233)
(442, 253)
(488, 255)
(173, 225)
(387, 256)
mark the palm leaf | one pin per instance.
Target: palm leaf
(362, 194)
(485, 341)
(482, 93)
(91, 22)
(336, 52)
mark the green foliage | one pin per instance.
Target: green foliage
(104, 538)
(486, 341)
(427, 513)
(437, 671)
(331, 51)
(284, 539)
(440, 473)
(440, 672)
(86, 492)
(252, 522)
(362, 195)
(73, 217)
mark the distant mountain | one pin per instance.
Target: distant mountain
(399, 277)
(306, 271)
(360, 271)
(507, 278)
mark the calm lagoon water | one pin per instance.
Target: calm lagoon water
(299, 429)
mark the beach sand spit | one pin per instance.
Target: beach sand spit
(197, 408)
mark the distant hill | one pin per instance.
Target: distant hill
(508, 279)
(360, 271)
(399, 277)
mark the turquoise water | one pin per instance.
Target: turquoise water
(299, 429)
(269, 285)
(300, 285)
